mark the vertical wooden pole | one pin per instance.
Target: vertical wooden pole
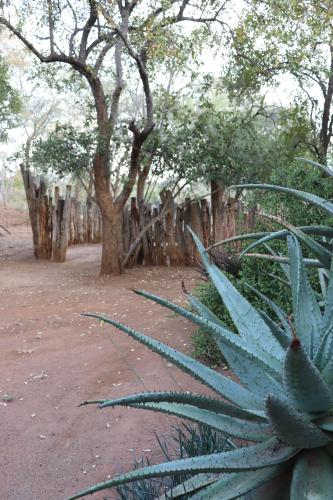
(40, 213)
(62, 227)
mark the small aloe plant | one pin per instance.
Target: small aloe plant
(279, 412)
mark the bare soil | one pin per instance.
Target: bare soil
(52, 358)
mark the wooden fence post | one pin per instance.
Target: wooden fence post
(40, 213)
(60, 242)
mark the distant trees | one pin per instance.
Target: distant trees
(121, 41)
(10, 105)
(295, 39)
(10, 102)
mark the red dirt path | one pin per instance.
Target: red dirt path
(51, 359)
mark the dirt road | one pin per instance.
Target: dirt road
(51, 359)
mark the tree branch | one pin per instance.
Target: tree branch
(87, 29)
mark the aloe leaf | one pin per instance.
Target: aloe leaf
(268, 453)
(282, 316)
(220, 384)
(245, 317)
(279, 333)
(307, 313)
(321, 167)
(325, 423)
(325, 349)
(201, 309)
(277, 488)
(323, 281)
(199, 401)
(191, 485)
(251, 376)
(237, 483)
(239, 237)
(293, 427)
(249, 351)
(314, 230)
(303, 382)
(278, 278)
(324, 352)
(328, 306)
(230, 426)
(327, 370)
(284, 267)
(281, 259)
(323, 255)
(301, 195)
(312, 476)
(262, 235)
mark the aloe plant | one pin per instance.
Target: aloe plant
(279, 412)
(322, 250)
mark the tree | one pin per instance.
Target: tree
(220, 142)
(295, 38)
(85, 35)
(10, 102)
(10, 105)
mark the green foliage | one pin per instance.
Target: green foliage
(210, 137)
(259, 275)
(306, 178)
(293, 40)
(282, 402)
(10, 102)
(313, 204)
(65, 151)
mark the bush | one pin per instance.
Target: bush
(257, 274)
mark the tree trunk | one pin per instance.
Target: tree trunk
(217, 211)
(112, 244)
(327, 119)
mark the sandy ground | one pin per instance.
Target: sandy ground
(51, 359)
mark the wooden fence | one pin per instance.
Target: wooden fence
(153, 234)
(167, 240)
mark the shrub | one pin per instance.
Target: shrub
(188, 441)
(259, 275)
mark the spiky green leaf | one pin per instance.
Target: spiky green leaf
(246, 350)
(220, 384)
(325, 423)
(279, 332)
(250, 374)
(265, 454)
(299, 231)
(321, 167)
(246, 318)
(315, 200)
(199, 401)
(320, 252)
(312, 476)
(307, 315)
(303, 382)
(230, 426)
(191, 485)
(237, 483)
(293, 427)
(282, 316)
